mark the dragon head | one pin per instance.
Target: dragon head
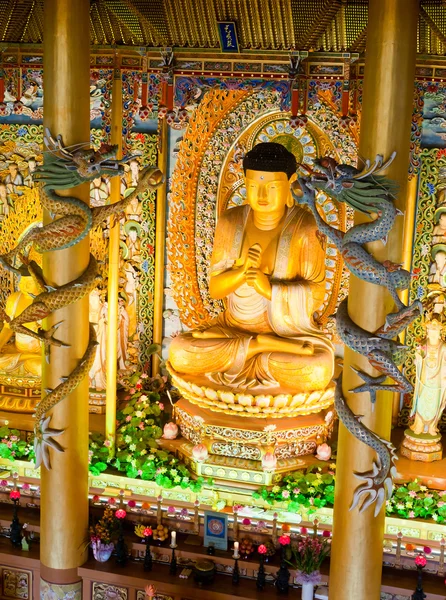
(64, 168)
(364, 190)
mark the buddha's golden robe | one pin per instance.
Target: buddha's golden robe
(298, 288)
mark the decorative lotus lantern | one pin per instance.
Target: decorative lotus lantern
(323, 452)
(269, 462)
(170, 431)
(200, 452)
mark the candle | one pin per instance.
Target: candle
(173, 541)
(236, 547)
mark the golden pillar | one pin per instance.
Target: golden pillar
(356, 561)
(160, 242)
(64, 488)
(113, 269)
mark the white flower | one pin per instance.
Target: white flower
(270, 428)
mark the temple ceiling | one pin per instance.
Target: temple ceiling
(262, 25)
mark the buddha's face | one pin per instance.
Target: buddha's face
(267, 192)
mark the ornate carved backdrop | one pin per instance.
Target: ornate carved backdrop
(208, 178)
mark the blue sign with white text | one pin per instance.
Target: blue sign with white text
(228, 36)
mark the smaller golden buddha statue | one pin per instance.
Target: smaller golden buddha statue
(268, 266)
(23, 356)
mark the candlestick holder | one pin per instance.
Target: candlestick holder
(16, 528)
(419, 593)
(148, 557)
(173, 562)
(283, 575)
(121, 547)
(261, 578)
(235, 570)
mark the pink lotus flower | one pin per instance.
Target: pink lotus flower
(170, 431)
(111, 501)
(131, 504)
(323, 452)
(262, 549)
(200, 452)
(427, 550)
(120, 513)
(26, 487)
(326, 534)
(303, 530)
(161, 405)
(420, 561)
(141, 426)
(246, 521)
(285, 494)
(107, 443)
(14, 494)
(171, 510)
(128, 418)
(132, 390)
(95, 498)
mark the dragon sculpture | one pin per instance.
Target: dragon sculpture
(371, 194)
(65, 169)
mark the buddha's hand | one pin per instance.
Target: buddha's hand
(253, 257)
(259, 281)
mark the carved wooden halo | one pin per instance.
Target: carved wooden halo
(205, 170)
(306, 144)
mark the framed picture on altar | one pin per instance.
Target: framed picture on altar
(215, 530)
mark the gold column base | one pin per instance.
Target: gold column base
(50, 591)
(422, 447)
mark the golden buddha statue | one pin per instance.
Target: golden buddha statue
(23, 357)
(268, 266)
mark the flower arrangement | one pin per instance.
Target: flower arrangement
(105, 529)
(307, 556)
(415, 501)
(311, 489)
(139, 426)
(13, 447)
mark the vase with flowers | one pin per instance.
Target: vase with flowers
(307, 556)
(101, 535)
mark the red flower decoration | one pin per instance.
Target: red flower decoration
(111, 501)
(303, 530)
(262, 549)
(326, 534)
(420, 561)
(131, 504)
(14, 494)
(95, 499)
(284, 540)
(120, 513)
(427, 550)
(246, 522)
(147, 532)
